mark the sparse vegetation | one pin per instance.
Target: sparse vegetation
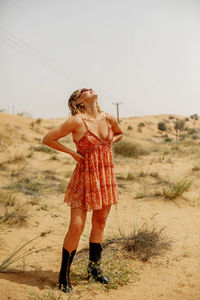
(179, 127)
(44, 207)
(146, 242)
(11, 212)
(162, 126)
(62, 186)
(35, 200)
(15, 159)
(48, 294)
(24, 114)
(43, 148)
(192, 131)
(54, 157)
(195, 137)
(146, 178)
(19, 253)
(7, 199)
(128, 149)
(130, 175)
(196, 168)
(38, 121)
(140, 125)
(177, 189)
(26, 185)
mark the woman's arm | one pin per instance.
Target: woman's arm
(65, 128)
(118, 133)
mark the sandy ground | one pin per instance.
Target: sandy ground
(173, 276)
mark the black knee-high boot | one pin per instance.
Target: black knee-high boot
(94, 269)
(64, 275)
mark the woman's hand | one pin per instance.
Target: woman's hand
(78, 157)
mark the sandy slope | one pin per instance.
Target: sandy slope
(176, 275)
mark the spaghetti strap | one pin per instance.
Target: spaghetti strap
(109, 127)
(84, 122)
(107, 121)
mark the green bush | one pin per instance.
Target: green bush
(128, 149)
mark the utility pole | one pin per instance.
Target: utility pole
(117, 104)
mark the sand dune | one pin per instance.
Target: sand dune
(173, 276)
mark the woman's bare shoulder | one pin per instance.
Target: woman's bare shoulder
(76, 118)
(111, 118)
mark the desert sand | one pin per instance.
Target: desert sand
(172, 276)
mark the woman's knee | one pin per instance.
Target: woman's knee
(99, 223)
(76, 228)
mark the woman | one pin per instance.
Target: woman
(93, 183)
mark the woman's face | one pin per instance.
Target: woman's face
(87, 95)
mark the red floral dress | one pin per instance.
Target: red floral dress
(93, 183)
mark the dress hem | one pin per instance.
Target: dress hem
(90, 209)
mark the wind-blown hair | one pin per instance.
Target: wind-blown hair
(75, 107)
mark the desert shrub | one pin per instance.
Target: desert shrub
(143, 242)
(140, 125)
(62, 186)
(130, 175)
(195, 137)
(128, 149)
(192, 131)
(168, 139)
(44, 207)
(182, 137)
(15, 158)
(179, 125)
(47, 294)
(26, 185)
(177, 189)
(146, 242)
(162, 126)
(7, 199)
(35, 200)
(24, 114)
(54, 157)
(194, 117)
(130, 127)
(43, 148)
(13, 215)
(38, 121)
(197, 168)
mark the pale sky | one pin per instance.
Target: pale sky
(144, 54)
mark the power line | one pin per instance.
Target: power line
(35, 57)
(39, 57)
(33, 53)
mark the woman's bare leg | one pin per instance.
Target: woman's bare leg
(99, 218)
(76, 227)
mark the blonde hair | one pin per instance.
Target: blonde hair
(75, 107)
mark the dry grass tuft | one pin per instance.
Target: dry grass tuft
(11, 212)
(42, 148)
(26, 185)
(22, 252)
(48, 294)
(146, 242)
(177, 189)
